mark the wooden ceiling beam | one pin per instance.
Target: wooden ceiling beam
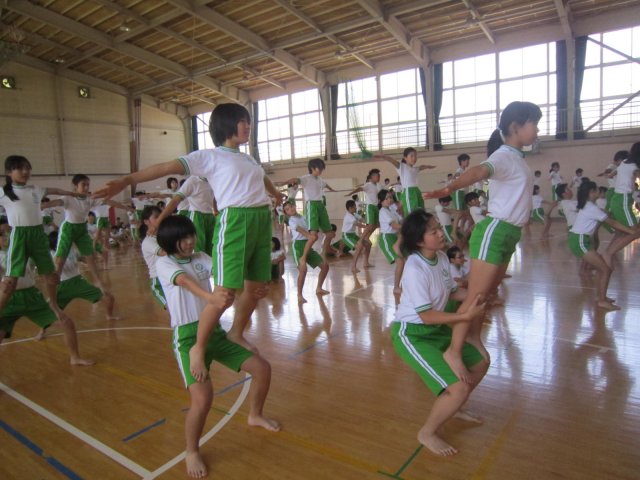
(413, 45)
(478, 19)
(24, 7)
(237, 31)
(564, 14)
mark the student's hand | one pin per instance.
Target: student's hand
(111, 188)
(221, 298)
(476, 309)
(443, 192)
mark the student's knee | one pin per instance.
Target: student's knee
(313, 236)
(324, 267)
(257, 367)
(459, 389)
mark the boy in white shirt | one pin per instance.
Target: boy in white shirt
(184, 275)
(443, 212)
(371, 188)
(303, 253)
(351, 239)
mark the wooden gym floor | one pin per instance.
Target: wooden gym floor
(560, 399)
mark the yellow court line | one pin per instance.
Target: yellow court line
(496, 448)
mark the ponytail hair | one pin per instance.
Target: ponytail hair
(13, 162)
(553, 165)
(583, 193)
(147, 213)
(518, 112)
(406, 153)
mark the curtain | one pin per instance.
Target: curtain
(437, 102)
(581, 55)
(194, 134)
(253, 140)
(333, 98)
(561, 88)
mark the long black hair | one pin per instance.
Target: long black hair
(634, 154)
(583, 193)
(13, 162)
(147, 213)
(518, 112)
(406, 153)
(382, 196)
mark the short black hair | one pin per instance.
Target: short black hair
(462, 157)
(407, 151)
(350, 204)
(276, 242)
(414, 228)
(373, 171)
(223, 123)
(452, 252)
(170, 180)
(173, 229)
(445, 199)
(79, 177)
(91, 214)
(602, 189)
(147, 213)
(560, 189)
(579, 170)
(470, 196)
(620, 155)
(537, 172)
(316, 163)
(334, 227)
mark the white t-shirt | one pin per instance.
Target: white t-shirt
(371, 192)
(510, 186)
(198, 193)
(292, 192)
(349, 223)
(295, 222)
(426, 285)
(24, 212)
(92, 228)
(476, 214)
(537, 201)
(570, 209)
(458, 272)
(397, 187)
(70, 268)
(408, 175)
(150, 251)
(443, 217)
(626, 179)
(576, 182)
(235, 177)
(601, 203)
(27, 280)
(139, 204)
(387, 217)
(555, 178)
(312, 187)
(184, 307)
(101, 211)
(588, 219)
(76, 209)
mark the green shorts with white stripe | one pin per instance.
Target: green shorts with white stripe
(421, 347)
(494, 241)
(579, 244)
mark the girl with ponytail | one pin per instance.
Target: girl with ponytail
(580, 243)
(151, 251)
(494, 239)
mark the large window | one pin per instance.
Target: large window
(611, 77)
(476, 90)
(274, 129)
(402, 111)
(204, 137)
(308, 124)
(357, 122)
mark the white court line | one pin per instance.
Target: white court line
(104, 449)
(30, 339)
(101, 447)
(208, 435)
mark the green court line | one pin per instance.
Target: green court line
(403, 467)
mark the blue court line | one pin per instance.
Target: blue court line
(60, 467)
(319, 342)
(144, 430)
(233, 385)
(403, 467)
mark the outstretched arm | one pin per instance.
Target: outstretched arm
(174, 167)
(426, 167)
(359, 189)
(387, 158)
(469, 177)
(273, 191)
(287, 182)
(52, 203)
(113, 203)
(622, 228)
(59, 191)
(170, 207)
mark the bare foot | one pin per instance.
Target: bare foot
(468, 416)
(456, 364)
(40, 335)
(321, 291)
(264, 422)
(195, 465)
(436, 445)
(610, 300)
(197, 367)
(608, 305)
(301, 300)
(81, 362)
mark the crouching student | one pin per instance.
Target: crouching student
(184, 276)
(421, 332)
